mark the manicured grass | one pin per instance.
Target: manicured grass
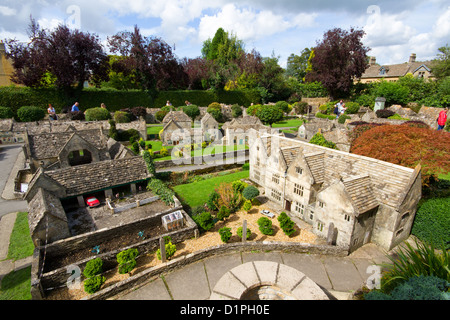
(20, 243)
(288, 123)
(196, 193)
(16, 285)
(154, 129)
(157, 145)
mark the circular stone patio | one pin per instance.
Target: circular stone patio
(266, 280)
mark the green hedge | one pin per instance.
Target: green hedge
(432, 221)
(16, 97)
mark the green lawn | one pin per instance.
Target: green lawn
(16, 285)
(196, 193)
(157, 145)
(288, 123)
(20, 244)
(209, 151)
(154, 129)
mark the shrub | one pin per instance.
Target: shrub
(228, 197)
(236, 111)
(252, 110)
(135, 147)
(239, 233)
(126, 260)
(113, 133)
(223, 213)
(352, 107)
(286, 224)
(28, 114)
(213, 201)
(325, 116)
(77, 115)
(250, 192)
(204, 220)
(122, 117)
(302, 107)
(214, 106)
(225, 234)
(366, 101)
(130, 135)
(162, 190)
(138, 112)
(421, 288)
(92, 285)
(5, 113)
(377, 295)
(246, 166)
(170, 250)
(319, 140)
(265, 226)
(163, 152)
(238, 186)
(247, 205)
(283, 105)
(97, 114)
(393, 92)
(160, 115)
(432, 221)
(93, 268)
(384, 113)
(342, 118)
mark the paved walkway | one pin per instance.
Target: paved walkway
(338, 277)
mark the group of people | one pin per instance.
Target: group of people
(75, 108)
(339, 109)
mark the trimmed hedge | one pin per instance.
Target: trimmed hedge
(30, 113)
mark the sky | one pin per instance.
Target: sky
(393, 29)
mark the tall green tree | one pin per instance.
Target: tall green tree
(297, 64)
(441, 66)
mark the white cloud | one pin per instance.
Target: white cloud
(6, 11)
(441, 28)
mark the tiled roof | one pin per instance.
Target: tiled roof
(393, 70)
(247, 122)
(361, 193)
(49, 145)
(316, 164)
(42, 202)
(178, 116)
(100, 175)
(289, 154)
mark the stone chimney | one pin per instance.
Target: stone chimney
(372, 61)
(412, 58)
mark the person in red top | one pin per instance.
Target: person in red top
(442, 119)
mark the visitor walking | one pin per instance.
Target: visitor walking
(442, 118)
(103, 106)
(51, 112)
(339, 108)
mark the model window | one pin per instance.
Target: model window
(298, 189)
(276, 178)
(347, 217)
(298, 170)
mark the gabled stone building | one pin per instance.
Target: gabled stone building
(210, 127)
(236, 131)
(348, 199)
(176, 127)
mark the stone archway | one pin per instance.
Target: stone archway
(266, 280)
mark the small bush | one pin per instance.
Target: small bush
(247, 205)
(130, 135)
(170, 250)
(352, 107)
(239, 233)
(238, 186)
(384, 113)
(204, 220)
(5, 113)
(225, 234)
(283, 105)
(246, 166)
(325, 116)
(77, 115)
(97, 114)
(162, 190)
(92, 285)
(213, 201)
(126, 260)
(286, 224)
(93, 268)
(122, 117)
(223, 213)
(28, 114)
(342, 118)
(250, 192)
(265, 226)
(163, 152)
(302, 107)
(319, 139)
(421, 288)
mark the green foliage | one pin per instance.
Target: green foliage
(384, 113)
(269, 114)
(238, 186)
(366, 100)
(342, 118)
(30, 113)
(253, 109)
(204, 220)
(192, 111)
(217, 115)
(213, 201)
(97, 114)
(247, 205)
(239, 233)
(223, 213)
(122, 117)
(130, 135)
(225, 234)
(93, 268)
(441, 67)
(170, 250)
(286, 224)
(149, 162)
(6, 113)
(250, 192)
(236, 111)
(394, 93)
(163, 152)
(283, 105)
(352, 107)
(302, 107)
(411, 262)
(135, 147)
(265, 226)
(92, 285)
(325, 116)
(127, 260)
(113, 133)
(432, 221)
(162, 190)
(319, 139)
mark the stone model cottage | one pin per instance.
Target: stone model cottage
(176, 126)
(348, 199)
(236, 131)
(210, 128)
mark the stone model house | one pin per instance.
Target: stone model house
(6, 67)
(176, 126)
(348, 199)
(393, 72)
(210, 128)
(71, 185)
(236, 131)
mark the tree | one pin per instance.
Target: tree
(296, 65)
(192, 111)
(441, 66)
(338, 59)
(70, 56)
(269, 114)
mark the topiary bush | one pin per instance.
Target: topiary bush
(127, 260)
(384, 113)
(247, 205)
(159, 188)
(265, 226)
(342, 118)
(122, 117)
(239, 233)
(352, 107)
(92, 285)
(223, 213)
(204, 220)
(250, 192)
(225, 234)
(93, 268)
(319, 140)
(5, 113)
(30, 113)
(286, 224)
(169, 247)
(97, 114)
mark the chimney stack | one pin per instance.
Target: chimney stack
(412, 58)
(373, 61)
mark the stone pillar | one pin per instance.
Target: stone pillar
(133, 188)
(108, 193)
(81, 201)
(244, 231)
(162, 247)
